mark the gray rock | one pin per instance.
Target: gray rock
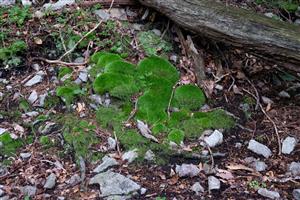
(197, 188)
(149, 155)
(61, 198)
(5, 198)
(130, 156)
(2, 130)
(270, 15)
(48, 128)
(35, 80)
(259, 148)
(297, 21)
(269, 194)
(1, 192)
(219, 87)
(156, 32)
(25, 156)
(74, 180)
(42, 99)
(137, 27)
(102, 14)
(296, 194)
(79, 60)
(28, 190)
(213, 183)
(143, 191)
(50, 181)
(58, 5)
(238, 145)
(26, 3)
(7, 2)
(118, 13)
(38, 14)
(284, 94)
(259, 166)
(112, 183)
(96, 99)
(214, 139)
(107, 162)
(174, 58)
(33, 97)
(83, 75)
(187, 170)
(1, 95)
(288, 145)
(112, 144)
(266, 100)
(31, 114)
(294, 168)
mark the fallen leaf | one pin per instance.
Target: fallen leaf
(224, 174)
(239, 167)
(38, 40)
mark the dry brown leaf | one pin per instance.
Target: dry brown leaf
(239, 167)
(224, 174)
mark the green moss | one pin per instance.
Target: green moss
(110, 117)
(120, 67)
(192, 128)
(177, 117)
(176, 136)
(158, 67)
(9, 145)
(68, 93)
(46, 142)
(188, 97)
(159, 128)
(119, 85)
(107, 58)
(64, 71)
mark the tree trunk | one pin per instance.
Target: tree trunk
(265, 37)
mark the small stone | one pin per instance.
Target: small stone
(197, 188)
(259, 166)
(33, 97)
(79, 60)
(35, 80)
(112, 183)
(25, 156)
(9, 87)
(259, 148)
(36, 67)
(74, 180)
(112, 144)
(118, 13)
(266, 100)
(102, 14)
(296, 194)
(219, 87)
(50, 182)
(7, 2)
(58, 5)
(213, 183)
(130, 156)
(42, 99)
(269, 194)
(156, 32)
(26, 3)
(238, 145)
(187, 170)
(214, 139)
(38, 14)
(5, 198)
(32, 114)
(288, 145)
(83, 75)
(137, 27)
(149, 155)
(2, 130)
(107, 162)
(294, 168)
(270, 15)
(61, 198)
(174, 58)
(28, 190)
(284, 94)
(48, 128)
(143, 191)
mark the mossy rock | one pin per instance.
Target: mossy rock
(107, 58)
(176, 136)
(158, 67)
(188, 97)
(177, 117)
(121, 67)
(112, 82)
(110, 117)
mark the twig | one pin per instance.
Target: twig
(63, 44)
(269, 118)
(132, 114)
(59, 62)
(165, 31)
(211, 154)
(118, 147)
(170, 100)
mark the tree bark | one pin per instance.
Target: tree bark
(265, 37)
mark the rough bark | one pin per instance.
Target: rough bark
(272, 39)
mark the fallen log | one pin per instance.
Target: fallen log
(262, 36)
(106, 3)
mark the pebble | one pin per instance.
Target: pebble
(33, 97)
(266, 100)
(259, 148)
(42, 99)
(102, 14)
(2, 130)
(38, 77)
(174, 58)
(288, 145)
(214, 139)
(32, 114)
(296, 194)
(26, 3)
(187, 170)
(259, 166)
(143, 191)
(80, 60)
(7, 2)
(238, 145)
(130, 156)
(149, 155)
(156, 32)
(38, 14)
(112, 183)
(197, 188)
(50, 182)
(25, 156)
(58, 5)
(270, 15)
(112, 144)
(213, 183)
(28, 190)
(294, 168)
(118, 13)
(96, 99)
(284, 94)
(83, 75)
(219, 87)
(74, 180)
(107, 162)
(268, 193)
(1, 95)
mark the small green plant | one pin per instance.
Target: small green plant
(68, 93)
(176, 136)
(64, 71)
(18, 15)
(24, 105)
(9, 145)
(9, 56)
(255, 185)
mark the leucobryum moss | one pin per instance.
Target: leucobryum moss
(152, 82)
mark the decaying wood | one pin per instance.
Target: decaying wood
(265, 37)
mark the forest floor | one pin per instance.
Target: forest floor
(51, 141)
